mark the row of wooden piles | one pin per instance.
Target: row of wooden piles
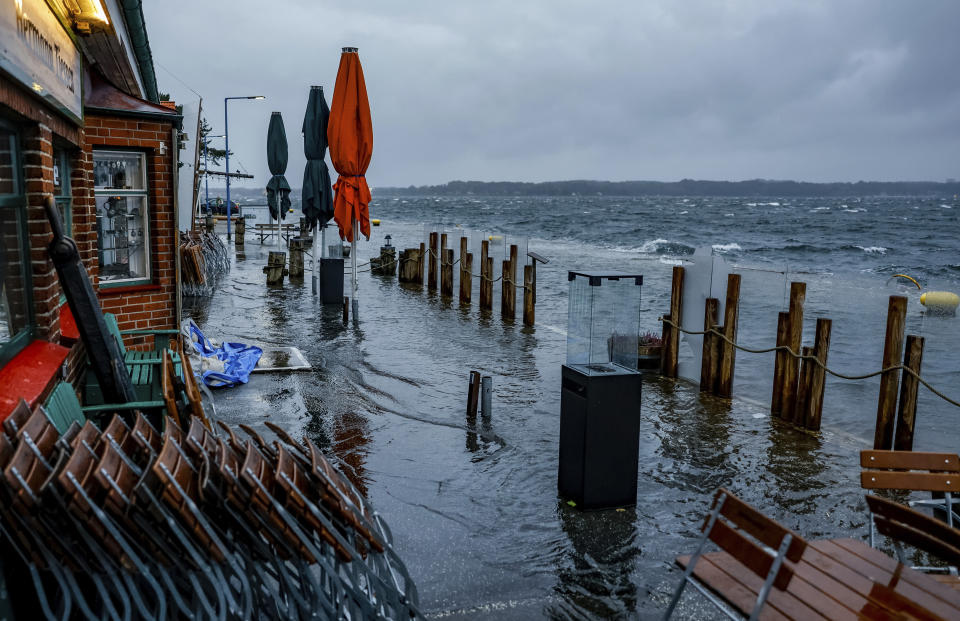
(799, 382)
(438, 262)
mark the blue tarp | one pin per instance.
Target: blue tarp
(238, 360)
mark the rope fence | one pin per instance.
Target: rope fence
(788, 350)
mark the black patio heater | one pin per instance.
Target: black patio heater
(600, 394)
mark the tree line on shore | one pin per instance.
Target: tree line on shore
(686, 187)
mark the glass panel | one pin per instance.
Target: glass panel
(603, 324)
(14, 298)
(122, 237)
(57, 173)
(65, 215)
(118, 170)
(8, 181)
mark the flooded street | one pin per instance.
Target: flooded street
(473, 507)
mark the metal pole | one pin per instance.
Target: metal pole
(486, 396)
(316, 259)
(206, 174)
(226, 131)
(353, 262)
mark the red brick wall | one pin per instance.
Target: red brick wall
(140, 306)
(40, 126)
(37, 144)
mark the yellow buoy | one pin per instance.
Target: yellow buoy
(495, 238)
(940, 302)
(375, 222)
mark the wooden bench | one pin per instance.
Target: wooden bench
(765, 571)
(938, 473)
(264, 231)
(143, 366)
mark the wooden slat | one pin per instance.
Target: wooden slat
(910, 460)
(841, 583)
(760, 526)
(748, 553)
(799, 600)
(910, 584)
(919, 530)
(728, 588)
(924, 481)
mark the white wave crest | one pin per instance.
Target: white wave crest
(667, 261)
(652, 246)
(726, 247)
(873, 249)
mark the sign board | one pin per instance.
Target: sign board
(37, 51)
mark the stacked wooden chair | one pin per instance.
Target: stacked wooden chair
(129, 522)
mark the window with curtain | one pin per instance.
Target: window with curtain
(120, 187)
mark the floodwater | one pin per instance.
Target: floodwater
(473, 504)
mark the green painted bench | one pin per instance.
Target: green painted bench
(63, 408)
(143, 366)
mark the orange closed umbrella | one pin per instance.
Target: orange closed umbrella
(350, 136)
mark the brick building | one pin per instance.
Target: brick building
(80, 120)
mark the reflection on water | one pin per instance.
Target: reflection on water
(472, 502)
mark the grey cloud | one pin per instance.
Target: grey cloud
(539, 90)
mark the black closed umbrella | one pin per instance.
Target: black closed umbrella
(278, 190)
(317, 190)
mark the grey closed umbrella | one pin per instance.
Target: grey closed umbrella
(317, 190)
(278, 190)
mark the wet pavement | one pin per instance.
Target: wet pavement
(473, 504)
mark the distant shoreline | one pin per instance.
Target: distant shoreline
(686, 187)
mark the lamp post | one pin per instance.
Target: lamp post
(226, 129)
(206, 168)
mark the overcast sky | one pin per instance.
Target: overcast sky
(537, 90)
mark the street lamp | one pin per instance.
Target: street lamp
(206, 169)
(226, 129)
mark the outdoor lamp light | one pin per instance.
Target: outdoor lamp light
(85, 14)
(387, 240)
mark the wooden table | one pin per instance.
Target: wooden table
(835, 579)
(268, 230)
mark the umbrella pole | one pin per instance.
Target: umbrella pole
(317, 249)
(353, 263)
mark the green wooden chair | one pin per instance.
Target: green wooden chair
(143, 366)
(63, 408)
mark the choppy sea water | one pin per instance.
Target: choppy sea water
(474, 509)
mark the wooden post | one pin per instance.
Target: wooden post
(446, 273)
(528, 288)
(512, 289)
(296, 258)
(791, 364)
(239, 230)
(484, 251)
(473, 394)
(728, 353)
(466, 285)
(907, 412)
(889, 381)
(505, 286)
(420, 256)
(464, 272)
(432, 271)
(818, 376)
(708, 363)
(276, 268)
(803, 385)
(776, 399)
(487, 286)
(671, 345)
